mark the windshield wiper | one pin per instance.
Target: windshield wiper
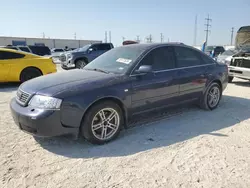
(99, 70)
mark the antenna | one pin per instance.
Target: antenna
(207, 24)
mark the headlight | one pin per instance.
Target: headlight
(45, 102)
(69, 56)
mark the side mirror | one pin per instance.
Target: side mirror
(144, 69)
(90, 50)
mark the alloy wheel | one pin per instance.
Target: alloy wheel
(213, 96)
(105, 123)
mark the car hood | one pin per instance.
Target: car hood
(52, 84)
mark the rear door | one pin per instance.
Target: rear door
(158, 88)
(192, 73)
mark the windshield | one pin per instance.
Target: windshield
(117, 60)
(209, 48)
(84, 48)
(229, 52)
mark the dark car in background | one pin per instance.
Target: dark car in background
(82, 56)
(38, 50)
(100, 99)
(216, 50)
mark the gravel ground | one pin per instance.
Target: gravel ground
(194, 148)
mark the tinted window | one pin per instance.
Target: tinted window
(186, 57)
(25, 49)
(13, 48)
(58, 50)
(40, 50)
(101, 47)
(219, 49)
(161, 59)
(206, 59)
(10, 55)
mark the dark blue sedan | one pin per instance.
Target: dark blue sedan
(97, 101)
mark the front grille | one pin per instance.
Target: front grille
(22, 97)
(63, 58)
(241, 62)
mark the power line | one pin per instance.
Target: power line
(207, 24)
(195, 30)
(232, 35)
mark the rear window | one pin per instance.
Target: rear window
(40, 50)
(10, 55)
(58, 50)
(11, 47)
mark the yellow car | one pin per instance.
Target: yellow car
(18, 66)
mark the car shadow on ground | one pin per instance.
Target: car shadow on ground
(244, 83)
(8, 87)
(191, 123)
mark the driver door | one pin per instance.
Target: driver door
(158, 88)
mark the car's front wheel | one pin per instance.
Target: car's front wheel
(102, 123)
(211, 97)
(80, 63)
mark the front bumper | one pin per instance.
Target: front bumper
(239, 72)
(67, 64)
(39, 122)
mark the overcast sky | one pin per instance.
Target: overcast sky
(89, 19)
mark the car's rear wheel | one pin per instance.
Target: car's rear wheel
(81, 63)
(230, 79)
(211, 97)
(102, 123)
(29, 73)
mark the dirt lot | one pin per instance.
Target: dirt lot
(192, 149)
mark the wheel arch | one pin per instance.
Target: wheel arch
(110, 98)
(30, 67)
(79, 58)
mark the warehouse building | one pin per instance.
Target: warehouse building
(51, 43)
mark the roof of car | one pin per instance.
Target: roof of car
(12, 50)
(151, 45)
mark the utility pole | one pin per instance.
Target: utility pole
(75, 36)
(123, 39)
(110, 36)
(162, 38)
(232, 35)
(195, 30)
(106, 37)
(207, 24)
(43, 35)
(138, 38)
(149, 39)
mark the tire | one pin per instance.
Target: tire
(230, 79)
(94, 129)
(29, 73)
(80, 63)
(215, 90)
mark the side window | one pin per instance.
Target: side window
(161, 59)
(105, 47)
(206, 59)
(186, 57)
(25, 49)
(10, 55)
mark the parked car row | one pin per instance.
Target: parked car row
(99, 99)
